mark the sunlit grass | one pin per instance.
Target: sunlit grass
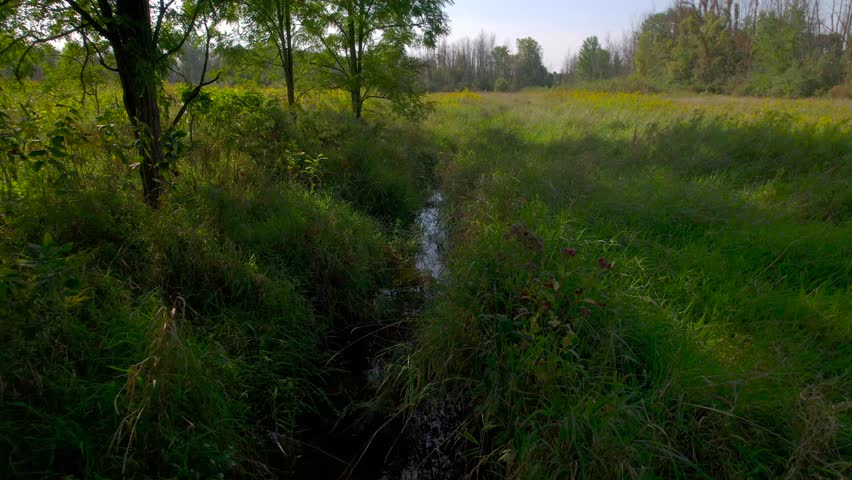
(724, 348)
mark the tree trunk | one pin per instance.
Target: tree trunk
(136, 57)
(357, 102)
(289, 75)
(354, 66)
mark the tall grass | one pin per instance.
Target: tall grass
(192, 341)
(646, 287)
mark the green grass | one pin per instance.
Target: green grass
(723, 349)
(638, 286)
(192, 341)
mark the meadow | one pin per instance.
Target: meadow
(634, 287)
(645, 287)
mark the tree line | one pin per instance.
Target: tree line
(481, 64)
(769, 47)
(762, 47)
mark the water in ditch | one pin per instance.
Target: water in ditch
(371, 438)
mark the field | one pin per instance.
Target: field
(634, 287)
(646, 287)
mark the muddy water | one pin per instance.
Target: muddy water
(363, 439)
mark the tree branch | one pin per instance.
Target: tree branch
(201, 82)
(161, 15)
(341, 68)
(38, 41)
(190, 26)
(394, 25)
(100, 28)
(340, 28)
(101, 59)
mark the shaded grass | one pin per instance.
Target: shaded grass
(221, 340)
(723, 349)
(192, 341)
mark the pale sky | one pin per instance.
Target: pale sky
(559, 26)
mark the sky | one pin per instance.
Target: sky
(560, 26)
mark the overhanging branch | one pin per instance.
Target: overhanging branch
(88, 19)
(201, 82)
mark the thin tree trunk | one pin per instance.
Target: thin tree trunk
(289, 74)
(354, 66)
(357, 103)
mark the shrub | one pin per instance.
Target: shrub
(841, 91)
(502, 85)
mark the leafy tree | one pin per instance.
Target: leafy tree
(779, 48)
(75, 65)
(502, 85)
(529, 69)
(503, 63)
(362, 46)
(654, 45)
(249, 64)
(143, 40)
(714, 52)
(593, 60)
(848, 58)
(276, 22)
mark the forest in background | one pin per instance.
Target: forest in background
(793, 48)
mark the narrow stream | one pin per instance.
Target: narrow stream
(430, 453)
(367, 445)
(431, 258)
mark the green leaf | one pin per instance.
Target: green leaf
(56, 165)
(58, 152)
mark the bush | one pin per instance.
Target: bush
(841, 91)
(502, 85)
(629, 84)
(380, 167)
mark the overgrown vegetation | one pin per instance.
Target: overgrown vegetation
(189, 341)
(194, 278)
(642, 287)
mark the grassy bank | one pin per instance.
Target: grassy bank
(645, 287)
(191, 341)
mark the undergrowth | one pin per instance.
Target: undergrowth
(192, 341)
